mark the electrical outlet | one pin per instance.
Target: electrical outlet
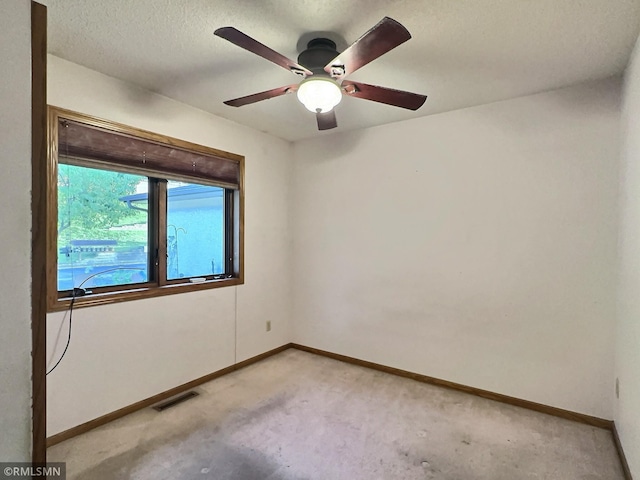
(617, 388)
(268, 325)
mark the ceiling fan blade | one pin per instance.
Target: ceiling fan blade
(242, 40)
(397, 98)
(327, 120)
(384, 36)
(257, 97)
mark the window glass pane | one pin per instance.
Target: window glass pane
(195, 230)
(102, 228)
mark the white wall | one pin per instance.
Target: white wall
(126, 352)
(476, 246)
(627, 415)
(15, 231)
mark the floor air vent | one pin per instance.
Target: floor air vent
(175, 401)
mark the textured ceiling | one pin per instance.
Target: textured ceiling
(463, 53)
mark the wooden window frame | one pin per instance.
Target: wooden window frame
(233, 239)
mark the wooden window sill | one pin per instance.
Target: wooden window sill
(94, 299)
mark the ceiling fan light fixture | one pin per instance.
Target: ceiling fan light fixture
(319, 94)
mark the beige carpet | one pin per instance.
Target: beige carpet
(300, 416)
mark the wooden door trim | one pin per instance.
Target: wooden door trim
(38, 230)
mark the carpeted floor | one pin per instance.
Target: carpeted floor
(301, 416)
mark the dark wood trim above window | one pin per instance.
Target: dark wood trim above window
(86, 141)
(90, 142)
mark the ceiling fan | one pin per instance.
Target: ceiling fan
(325, 71)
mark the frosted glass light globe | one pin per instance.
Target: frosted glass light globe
(319, 94)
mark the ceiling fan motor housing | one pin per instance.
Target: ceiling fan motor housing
(319, 52)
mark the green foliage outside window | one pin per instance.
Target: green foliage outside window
(90, 206)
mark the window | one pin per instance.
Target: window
(195, 231)
(97, 234)
(138, 215)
